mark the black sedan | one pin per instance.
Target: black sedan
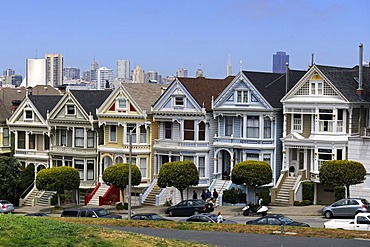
(276, 220)
(189, 207)
(148, 216)
(207, 218)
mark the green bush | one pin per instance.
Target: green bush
(339, 192)
(54, 199)
(265, 195)
(119, 206)
(303, 203)
(230, 196)
(308, 191)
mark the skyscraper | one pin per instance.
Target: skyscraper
(279, 61)
(94, 66)
(35, 72)
(8, 72)
(54, 69)
(123, 69)
(104, 75)
(228, 67)
(181, 72)
(138, 75)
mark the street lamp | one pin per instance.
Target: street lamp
(129, 167)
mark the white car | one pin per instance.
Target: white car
(6, 207)
(360, 223)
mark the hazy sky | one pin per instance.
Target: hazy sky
(164, 35)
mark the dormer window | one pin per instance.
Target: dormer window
(316, 85)
(242, 97)
(179, 101)
(71, 110)
(28, 115)
(121, 104)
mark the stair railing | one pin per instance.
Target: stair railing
(89, 196)
(143, 196)
(26, 193)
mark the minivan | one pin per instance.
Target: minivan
(88, 212)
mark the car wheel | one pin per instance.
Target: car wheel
(196, 212)
(171, 213)
(245, 213)
(328, 214)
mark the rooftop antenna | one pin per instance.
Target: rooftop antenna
(312, 58)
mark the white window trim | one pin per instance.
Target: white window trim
(178, 97)
(118, 108)
(74, 109)
(25, 115)
(109, 134)
(296, 130)
(316, 84)
(243, 91)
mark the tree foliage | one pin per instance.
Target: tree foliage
(253, 173)
(117, 175)
(10, 170)
(342, 173)
(58, 179)
(27, 178)
(179, 174)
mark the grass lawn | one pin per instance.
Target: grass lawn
(39, 231)
(298, 231)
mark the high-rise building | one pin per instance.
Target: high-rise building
(8, 72)
(279, 61)
(71, 73)
(54, 69)
(123, 69)
(228, 67)
(181, 72)
(94, 66)
(13, 80)
(138, 75)
(35, 72)
(151, 76)
(104, 75)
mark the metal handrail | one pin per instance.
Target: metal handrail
(24, 192)
(93, 185)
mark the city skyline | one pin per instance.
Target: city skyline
(165, 36)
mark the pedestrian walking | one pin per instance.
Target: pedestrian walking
(195, 195)
(220, 219)
(215, 195)
(203, 195)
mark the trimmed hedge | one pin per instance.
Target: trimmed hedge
(303, 203)
(308, 190)
(230, 196)
(339, 192)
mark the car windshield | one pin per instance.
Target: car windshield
(364, 201)
(285, 220)
(4, 202)
(102, 212)
(156, 217)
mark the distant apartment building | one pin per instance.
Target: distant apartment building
(181, 72)
(54, 69)
(123, 69)
(104, 75)
(152, 76)
(138, 75)
(279, 60)
(35, 72)
(71, 73)
(13, 80)
(94, 66)
(8, 72)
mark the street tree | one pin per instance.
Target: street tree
(10, 177)
(58, 179)
(342, 173)
(117, 175)
(179, 174)
(252, 173)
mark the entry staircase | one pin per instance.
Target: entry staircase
(38, 198)
(220, 185)
(282, 196)
(100, 192)
(150, 199)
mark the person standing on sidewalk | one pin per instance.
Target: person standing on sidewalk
(215, 195)
(220, 219)
(195, 195)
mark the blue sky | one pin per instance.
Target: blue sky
(164, 35)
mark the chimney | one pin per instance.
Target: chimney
(15, 104)
(62, 89)
(360, 90)
(286, 77)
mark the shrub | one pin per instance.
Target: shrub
(119, 206)
(339, 192)
(266, 198)
(303, 203)
(230, 196)
(308, 190)
(54, 199)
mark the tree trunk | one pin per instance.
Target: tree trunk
(254, 194)
(123, 196)
(58, 199)
(347, 191)
(182, 195)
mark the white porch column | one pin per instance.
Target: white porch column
(244, 126)
(16, 139)
(100, 171)
(27, 146)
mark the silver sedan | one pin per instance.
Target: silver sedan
(6, 207)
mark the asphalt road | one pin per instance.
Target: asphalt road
(241, 239)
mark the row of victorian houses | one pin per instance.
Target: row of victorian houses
(293, 121)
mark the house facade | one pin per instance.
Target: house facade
(325, 108)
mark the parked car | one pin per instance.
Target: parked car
(88, 212)
(276, 220)
(37, 214)
(348, 207)
(189, 207)
(207, 218)
(6, 207)
(148, 216)
(360, 223)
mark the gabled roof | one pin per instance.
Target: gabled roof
(272, 85)
(346, 81)
(91, 100)
(144, 94)
(44, 103)
(7, 95)
(203, 89)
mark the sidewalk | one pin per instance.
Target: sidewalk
(312, 210)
